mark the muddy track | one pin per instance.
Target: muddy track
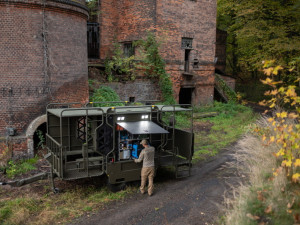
(193, 200)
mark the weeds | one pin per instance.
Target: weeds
(42, 139)
(226, 128)
(265, 199)
(17, 168)
(50, 209)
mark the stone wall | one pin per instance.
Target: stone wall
(43, 59)
(141, 90)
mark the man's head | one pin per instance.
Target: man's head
(144, 142)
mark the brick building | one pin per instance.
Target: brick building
(43, 59)
(188, 31)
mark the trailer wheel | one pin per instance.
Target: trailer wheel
(116, 187)
(56, 190)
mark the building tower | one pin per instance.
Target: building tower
(43, 59)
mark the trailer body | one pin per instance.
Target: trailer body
(91, 141)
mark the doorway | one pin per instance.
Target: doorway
(185, 95)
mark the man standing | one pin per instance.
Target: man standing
(147, 156)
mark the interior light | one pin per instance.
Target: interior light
(123, 118)
(144, 116)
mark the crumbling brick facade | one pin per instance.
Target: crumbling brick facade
(43, 59)
(191, 67)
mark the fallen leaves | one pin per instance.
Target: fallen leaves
(252, 217)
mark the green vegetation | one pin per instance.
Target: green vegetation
(105, 94)
(42, 139)
(119, 67)
(154, 66)
(49, 208)
(259, 30)
(122, 68)
(17, 168)
(229, 92)
(213, 134)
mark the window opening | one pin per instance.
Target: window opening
(128, 49)
(93, 40)
(187, 43)
(187, 60)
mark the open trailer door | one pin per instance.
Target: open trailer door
(125, 169)
(184, 142)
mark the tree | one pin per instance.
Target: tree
(258, 30)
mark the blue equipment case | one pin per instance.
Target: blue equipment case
(135, 153)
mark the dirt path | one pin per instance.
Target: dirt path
(193, 200)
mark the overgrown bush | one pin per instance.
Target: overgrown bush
(105, 94)
(284, 124)
(119, 67)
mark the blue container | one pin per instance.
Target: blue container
(135, 153)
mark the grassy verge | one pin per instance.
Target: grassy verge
(17, 168)
(44, 207)
(264, 198)
(215, 133)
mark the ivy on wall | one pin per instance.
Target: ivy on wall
(154, 66)
(227, 91)
(121, 68)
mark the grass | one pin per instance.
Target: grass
(225, 128)
(264, 198)
(49, 208)
(20, 167)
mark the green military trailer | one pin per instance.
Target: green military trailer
(90, 141)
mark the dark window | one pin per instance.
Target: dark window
(128, 49)
(187, 60)
(187, 43)
(93, 40)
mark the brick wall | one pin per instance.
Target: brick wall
(129, 20)
(196, 20)
(43, 59)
